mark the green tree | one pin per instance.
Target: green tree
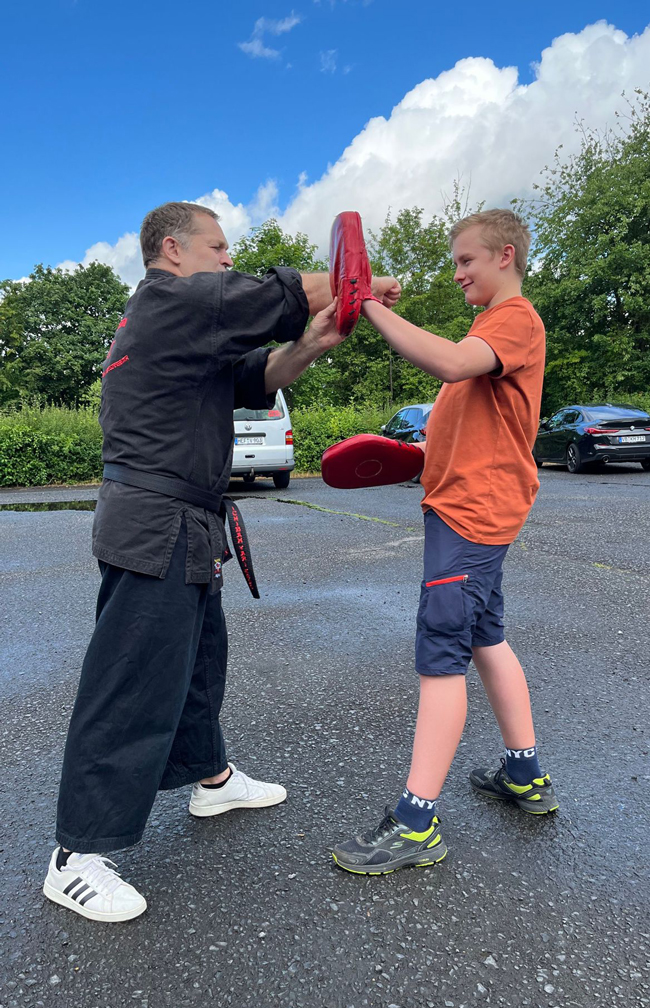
(590, 279)
(256, 253)
(55, 330)
(268, 246)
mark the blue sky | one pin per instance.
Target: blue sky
(112, 107)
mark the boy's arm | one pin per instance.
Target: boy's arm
(440, 357)
(319, 294)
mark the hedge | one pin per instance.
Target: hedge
(57, 445)
(316, 430)
(30, 457)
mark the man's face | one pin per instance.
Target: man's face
(207, 248)
(478, 270)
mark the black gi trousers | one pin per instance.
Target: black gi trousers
(146, 717)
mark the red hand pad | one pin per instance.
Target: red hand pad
(369, 460)
(350, 274)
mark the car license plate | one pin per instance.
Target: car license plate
(249, 440)
(630, 440)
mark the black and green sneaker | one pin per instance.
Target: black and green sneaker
(538, 797)
(391, 845)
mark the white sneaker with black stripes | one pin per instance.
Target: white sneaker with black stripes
(89, 885)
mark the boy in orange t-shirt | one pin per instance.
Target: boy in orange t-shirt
(479, 483)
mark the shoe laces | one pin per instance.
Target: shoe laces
(384, 829)
(97, 873)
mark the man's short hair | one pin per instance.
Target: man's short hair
(174, 220)
(499, 228)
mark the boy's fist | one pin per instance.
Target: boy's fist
(387, 289)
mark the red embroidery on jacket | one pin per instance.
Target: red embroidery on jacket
(122, 323)
(117, 363)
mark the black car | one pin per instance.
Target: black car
(600, 432)
(408, 424)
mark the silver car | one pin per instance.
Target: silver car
(264, 443)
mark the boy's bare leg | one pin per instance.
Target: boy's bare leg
(441, 719)
(507, 691)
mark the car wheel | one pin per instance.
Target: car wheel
(646, 465)
(249, 478)
(573, 461)
(281, 480)
(538, 462)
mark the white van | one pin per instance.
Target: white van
(264, 443)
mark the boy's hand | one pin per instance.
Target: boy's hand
(387, 289)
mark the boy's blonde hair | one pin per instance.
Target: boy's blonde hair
(499, 228)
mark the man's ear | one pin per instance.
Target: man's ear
(171, 249)
(507, 256)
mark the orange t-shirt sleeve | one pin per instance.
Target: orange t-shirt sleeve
(509, 333)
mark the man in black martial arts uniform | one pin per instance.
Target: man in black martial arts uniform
(189, 350)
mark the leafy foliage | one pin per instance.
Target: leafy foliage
(51, 444)
(55, 330)
(268, 246)
(591, 276)
(40, 445)
(315, 430)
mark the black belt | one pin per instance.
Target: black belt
(181, 490)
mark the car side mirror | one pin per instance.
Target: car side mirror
(382, 428)
(544, 425)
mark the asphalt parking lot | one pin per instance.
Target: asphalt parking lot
(248, 909)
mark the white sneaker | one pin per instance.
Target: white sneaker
(87, 885)
(239, 791)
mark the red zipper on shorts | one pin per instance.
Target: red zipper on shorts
(459, 577)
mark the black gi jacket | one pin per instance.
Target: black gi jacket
(187, 352)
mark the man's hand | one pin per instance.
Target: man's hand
(322, 334)
(287, 362)
(387, 289)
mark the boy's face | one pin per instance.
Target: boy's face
(479, 272)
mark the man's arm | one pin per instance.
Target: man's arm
(287, 362)
(319, 293)
(449, 361)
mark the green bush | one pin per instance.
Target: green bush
(639, 399)
(314, 430)
(41, 445)
(49, 445)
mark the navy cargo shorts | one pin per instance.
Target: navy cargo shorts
(461, 603)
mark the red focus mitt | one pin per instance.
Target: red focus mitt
(350, 274)
(370, 460)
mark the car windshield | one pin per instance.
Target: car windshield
(275, 413)
(616, 413)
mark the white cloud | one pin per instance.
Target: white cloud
(267, 26)
(235, 219)
(478, 123)
(474, 122)
(123, 256)
(328, 61)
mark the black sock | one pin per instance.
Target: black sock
(215, 787)
(62, 858)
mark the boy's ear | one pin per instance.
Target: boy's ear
(507, 256)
